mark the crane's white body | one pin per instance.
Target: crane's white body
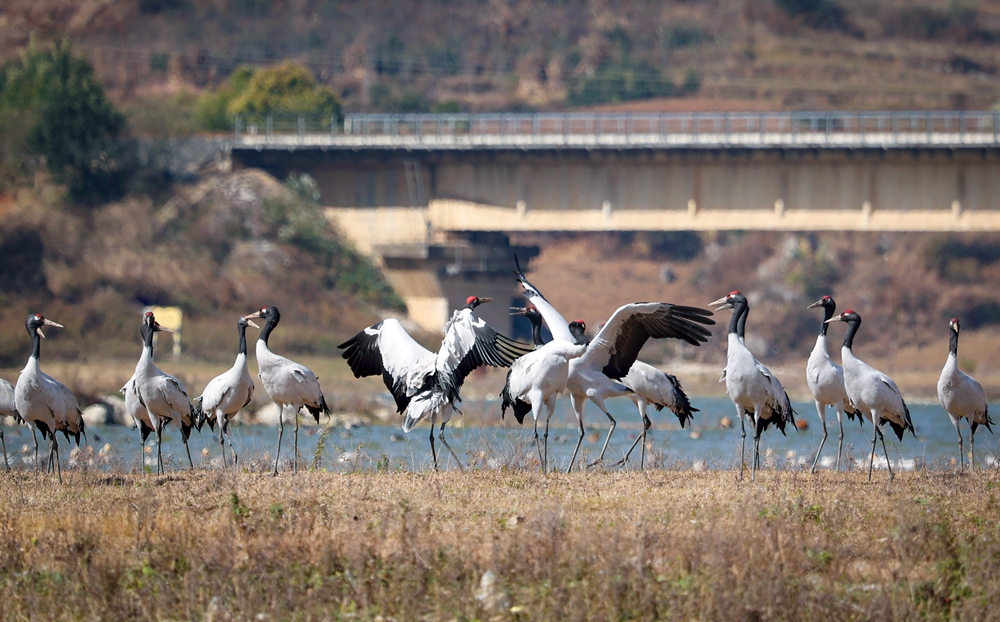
(826, 383)
(426, 384)
(873, 393)
(47, 404)
(962, 397)
(9, 409)
(751, 386)
(165, 400)
(140, 416)
(538, 378)
(614, 348)
(653, 387)
(225, 395)
(291, 386)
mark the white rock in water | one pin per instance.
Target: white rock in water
(267, 415)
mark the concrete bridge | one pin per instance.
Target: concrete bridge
(400, 185)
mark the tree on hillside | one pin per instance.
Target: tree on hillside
(251, 92)
(75, 130)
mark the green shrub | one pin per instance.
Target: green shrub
(74, 128)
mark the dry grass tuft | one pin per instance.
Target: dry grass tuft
(664, 544)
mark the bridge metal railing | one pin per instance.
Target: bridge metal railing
(623, 130)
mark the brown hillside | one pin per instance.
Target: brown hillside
(508, 53)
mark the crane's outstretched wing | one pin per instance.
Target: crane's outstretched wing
(616, 346)
(386, 349)
(557, 324)
(470, 343)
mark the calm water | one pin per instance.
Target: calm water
(508, 445)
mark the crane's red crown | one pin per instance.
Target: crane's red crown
(735, 292)
(470, 300)
(954, 320)
(148, 314)
(849, 312)
(825, 298)
(581, 323)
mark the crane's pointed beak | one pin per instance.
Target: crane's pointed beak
(46, 323)
(249, 323)
(818, 303)
(721, 303)
(160, 328)
(835, 318)
(254, 314)
(518, 310)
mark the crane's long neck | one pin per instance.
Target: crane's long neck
(953, 346)
(536, 330)
(738, 322)
(265, 332)
(36, 344)
(243, 339)
(852, 329)
(828, 312)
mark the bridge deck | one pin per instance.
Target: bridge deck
(840, 130)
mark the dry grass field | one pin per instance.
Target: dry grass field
(405, 546)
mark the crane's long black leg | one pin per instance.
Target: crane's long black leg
(743, 439)
(646, 423)
(546, 442)
(606, 440)
(538, 446)
(444, 441)
(236, 458)
(961, 447)
(34, 438)
(888, 464)
(222, 446)
(281, 430)
(55, 449)
(187, 448)
(159, 445)
(972, 445)
(295, 446)
(3, 443)
(871, 463)
(579, 442)
(434, 455)
(840, 441)
(821, 409)
(641, 438)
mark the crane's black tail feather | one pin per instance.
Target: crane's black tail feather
(322, 409)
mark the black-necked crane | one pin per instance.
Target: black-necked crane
(873, 393)
(9, 409)
(597, 374)
(962, 397)
(424, 383)
(140, 418)
(289, 384)
(537, 378)
(43, 401)
(226, 394)
(826, 381)
(650, 387)
(163, 396)
(754, 390)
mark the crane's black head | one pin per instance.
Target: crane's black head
(35, 322)
(849, 316)
(270, 314)
(474, 301)
(955, 325)
(729, 301)
(826, 302)
(578, 328)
